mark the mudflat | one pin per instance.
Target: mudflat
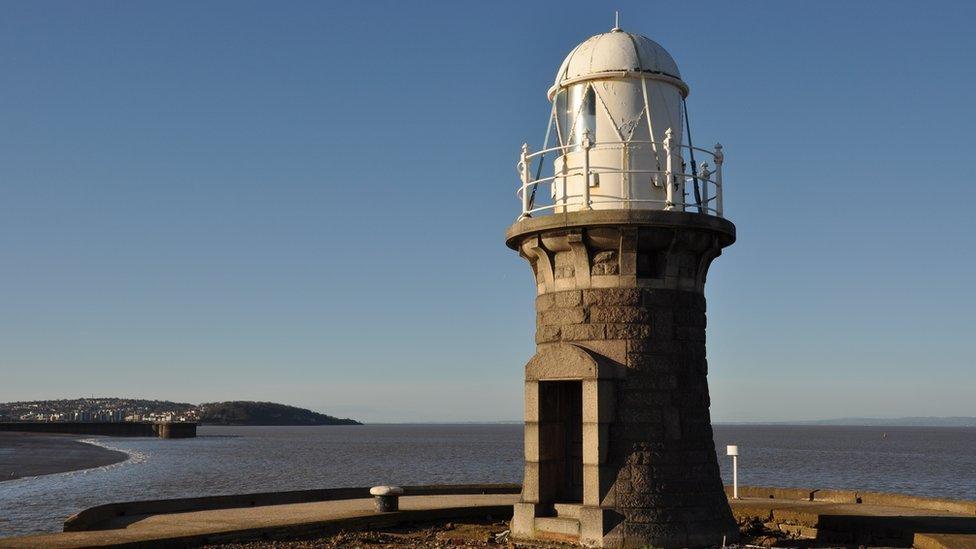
(32, 454)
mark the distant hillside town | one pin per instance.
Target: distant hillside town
(99, 410)
(115, 410)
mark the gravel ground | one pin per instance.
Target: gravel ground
(468, 534)
(451, 534)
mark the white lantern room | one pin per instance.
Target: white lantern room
(617, 136)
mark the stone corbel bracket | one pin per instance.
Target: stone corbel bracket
(649, 249)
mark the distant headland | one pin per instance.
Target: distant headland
(117, 410)
(241, 412)
(913, 421)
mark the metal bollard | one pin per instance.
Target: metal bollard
(387, 498)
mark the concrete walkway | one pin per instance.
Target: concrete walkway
(274, 520)
(831, 524)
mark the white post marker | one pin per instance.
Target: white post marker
(733, 450)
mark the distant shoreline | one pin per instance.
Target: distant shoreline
(850, 423)
(35, 454)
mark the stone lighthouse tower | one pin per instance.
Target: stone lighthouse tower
(621, 218)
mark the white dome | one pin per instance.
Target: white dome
(614, 52)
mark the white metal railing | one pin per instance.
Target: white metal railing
(673, 178)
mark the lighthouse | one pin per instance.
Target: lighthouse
(621, 216)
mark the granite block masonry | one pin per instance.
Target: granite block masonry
(618, 435)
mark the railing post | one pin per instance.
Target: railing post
(586, 169)
(719, 160)
(668, 173)
(703, 175)
(525, 175)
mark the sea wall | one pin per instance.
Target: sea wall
(829, 516)
(857, 496)
(835, 517)
(112, 429)
(95, 518)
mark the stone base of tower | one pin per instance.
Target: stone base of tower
(618, 438)
(598, 527)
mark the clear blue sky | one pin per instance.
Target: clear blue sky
(305, 202)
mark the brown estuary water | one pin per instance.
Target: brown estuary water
(939, 462)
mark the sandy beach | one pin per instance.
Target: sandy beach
(32, 454)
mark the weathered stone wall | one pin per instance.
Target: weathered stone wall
(628, 288)
(665, 481)
(173, 429)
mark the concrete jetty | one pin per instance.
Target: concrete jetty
(824, 517)
(170, 429)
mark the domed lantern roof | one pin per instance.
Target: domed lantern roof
(614, 54)
(619, 121)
